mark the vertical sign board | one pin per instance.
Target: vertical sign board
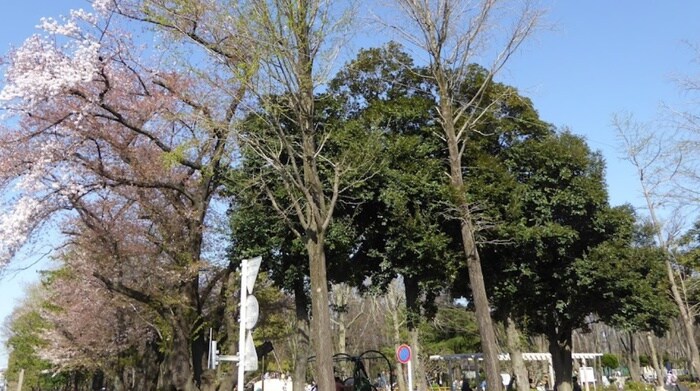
(403, 355)
(247, 358)
(586, 375)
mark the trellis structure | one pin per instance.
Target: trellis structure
(450, 359)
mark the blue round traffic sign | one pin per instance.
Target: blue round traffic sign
(403, 354)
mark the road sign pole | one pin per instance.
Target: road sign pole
(242, 331)
(403, 355)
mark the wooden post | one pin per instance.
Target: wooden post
(20, 380)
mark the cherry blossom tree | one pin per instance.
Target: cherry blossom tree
(125, 156)
(93, 330)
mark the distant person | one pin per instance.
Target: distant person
(576, 385)
(465, 385)
(671, 378)
(380, 382)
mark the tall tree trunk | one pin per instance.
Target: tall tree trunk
(633, 359)
(320, 314)
(303, 25)
(394, 310)
(75, 380)
(686, 320)
(199, 348)
(176, 370)
(231, 325)
(341, 295)
(481, 305)
(516, 356)
(419, 378)
(560, 349)
(655, 362)
(302, 342)
(148, 379)
(476, 276)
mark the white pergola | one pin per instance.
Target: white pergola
(506, 357)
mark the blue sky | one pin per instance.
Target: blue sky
(605, 57)
(600, 57)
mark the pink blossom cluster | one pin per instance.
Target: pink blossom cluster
(39, 71)
(103, 7)
(125, 156)
(42, 68)
(15, 227)
(88, 324)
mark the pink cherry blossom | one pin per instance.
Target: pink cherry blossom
(125, 153)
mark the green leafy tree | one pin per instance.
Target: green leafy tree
(391, 224)
(24, 345)
(538, 198)
(563, 240)
(453, 330)
(24, 330)
(609, 362)
(399, 225)
(687, 259)
(451, 35)
(629, 275)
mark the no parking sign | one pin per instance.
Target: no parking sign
(403, 354)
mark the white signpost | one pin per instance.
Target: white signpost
(247, 356)
(248, 319)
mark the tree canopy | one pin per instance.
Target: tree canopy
(436, 176)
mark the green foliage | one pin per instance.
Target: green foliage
(376, 111)
(494, 181)
(562, 240)
(275, 312)
(176, 156)
(636, 386)
(400, 225)
(25, 343)
(549, 239)
(644, 360)
(452, 330)
(609, 361)
(632, 282)
(687, 264)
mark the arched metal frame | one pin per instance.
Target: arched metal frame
(359, 373)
